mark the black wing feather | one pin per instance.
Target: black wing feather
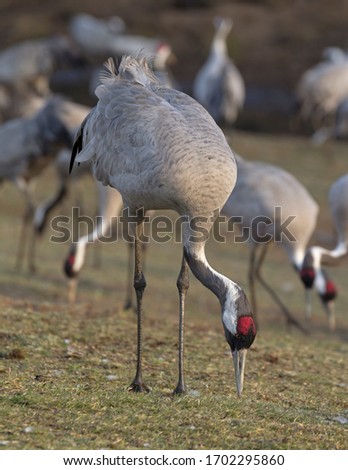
(78, 144)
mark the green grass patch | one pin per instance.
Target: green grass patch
(65, 370)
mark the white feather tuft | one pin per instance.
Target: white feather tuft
(137, 69)
(110, 70)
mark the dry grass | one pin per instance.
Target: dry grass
(65, 370)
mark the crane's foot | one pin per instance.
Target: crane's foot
(180, 389)
(138, 386)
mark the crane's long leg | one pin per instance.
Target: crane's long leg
(290, 318)
(128, 303)
(183, 285)
(139, 284)
(32, 252)
(25, 189)
(129, 288)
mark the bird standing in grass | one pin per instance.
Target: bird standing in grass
(219, 86)
(110, 205)
(28, 145)
(161, 150)
(317, 255)
(274, 207)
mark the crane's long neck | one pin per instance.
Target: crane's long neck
(225, 290)
(318, 252)
(43, 211)
(219, 47)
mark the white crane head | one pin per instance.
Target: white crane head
(223, 25)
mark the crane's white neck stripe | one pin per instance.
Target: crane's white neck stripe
(80, 254)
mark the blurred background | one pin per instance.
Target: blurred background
(67, 340)
(272, 42)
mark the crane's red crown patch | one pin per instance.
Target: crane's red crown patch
(246, 325)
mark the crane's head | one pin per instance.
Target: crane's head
(307, 275)
(74, 260)
(314, 276)
(240, 330)
(163, 56)
(223, 25)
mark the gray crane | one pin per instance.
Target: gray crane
(99, 38)
(95, 36)
(219, 86)
(28, 145)
(45, 132)
(323, 87)
(338, 130)
(110, 205)
(265, 196)
(317, 255)
(161, 150)
(27, 66)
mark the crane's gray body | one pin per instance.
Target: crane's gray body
(259, 190)
(338, 200)
(157, 146)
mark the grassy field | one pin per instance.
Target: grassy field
(65, 369)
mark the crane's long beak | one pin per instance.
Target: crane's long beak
(308, 303)
(239, 365)
(72, 290)
(330, 310)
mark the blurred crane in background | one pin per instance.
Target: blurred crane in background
(28, 145)
(322, 88)
(261, 189)
(219, 86)
(317, 255)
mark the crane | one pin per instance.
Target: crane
(219, 86)
(161, 150)
(323, 87)
(28, 65)
(265, 196)
(317, 255)
(28, 146)
(110, 205)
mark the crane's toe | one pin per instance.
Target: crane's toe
(180, 389)
(138, 386)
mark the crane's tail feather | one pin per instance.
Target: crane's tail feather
(78, 144)
(75, 150)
